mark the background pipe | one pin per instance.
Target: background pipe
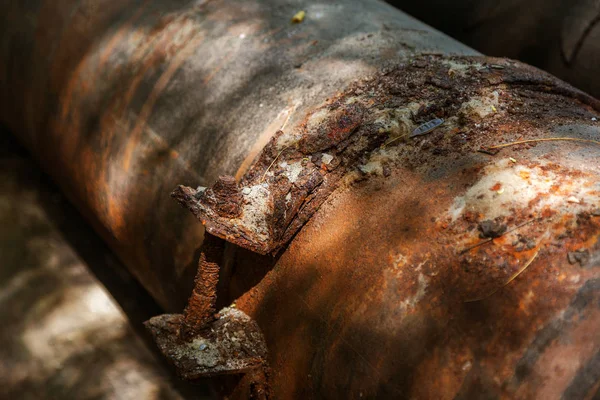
(558, 36)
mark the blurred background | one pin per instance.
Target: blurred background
(64, 336)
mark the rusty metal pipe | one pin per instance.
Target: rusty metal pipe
(122, 99)
(558, 36)
(382, 244)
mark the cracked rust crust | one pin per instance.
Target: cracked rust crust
(231, 344)
(298, 169)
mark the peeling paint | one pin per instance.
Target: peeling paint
(536, 187)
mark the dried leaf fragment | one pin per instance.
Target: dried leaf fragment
(298, 17)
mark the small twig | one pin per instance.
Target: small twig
(273, 162)
(477, 245)
(287, 119)
(492, 239)
(290, 111)
(519, 272)
(392, 141)
(500, 146)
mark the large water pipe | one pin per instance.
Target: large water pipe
(404, 218)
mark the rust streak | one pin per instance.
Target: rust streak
(104, 56)
(112, 44)
(148, 106)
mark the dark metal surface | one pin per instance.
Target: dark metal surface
(559, 36)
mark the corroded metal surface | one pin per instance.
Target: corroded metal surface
(427, 265)
(299, 168)
(121, 99)
(436, 266)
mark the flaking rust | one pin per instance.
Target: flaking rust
(232, 344)
(364, 131)
(200, 343)
(298, 170)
